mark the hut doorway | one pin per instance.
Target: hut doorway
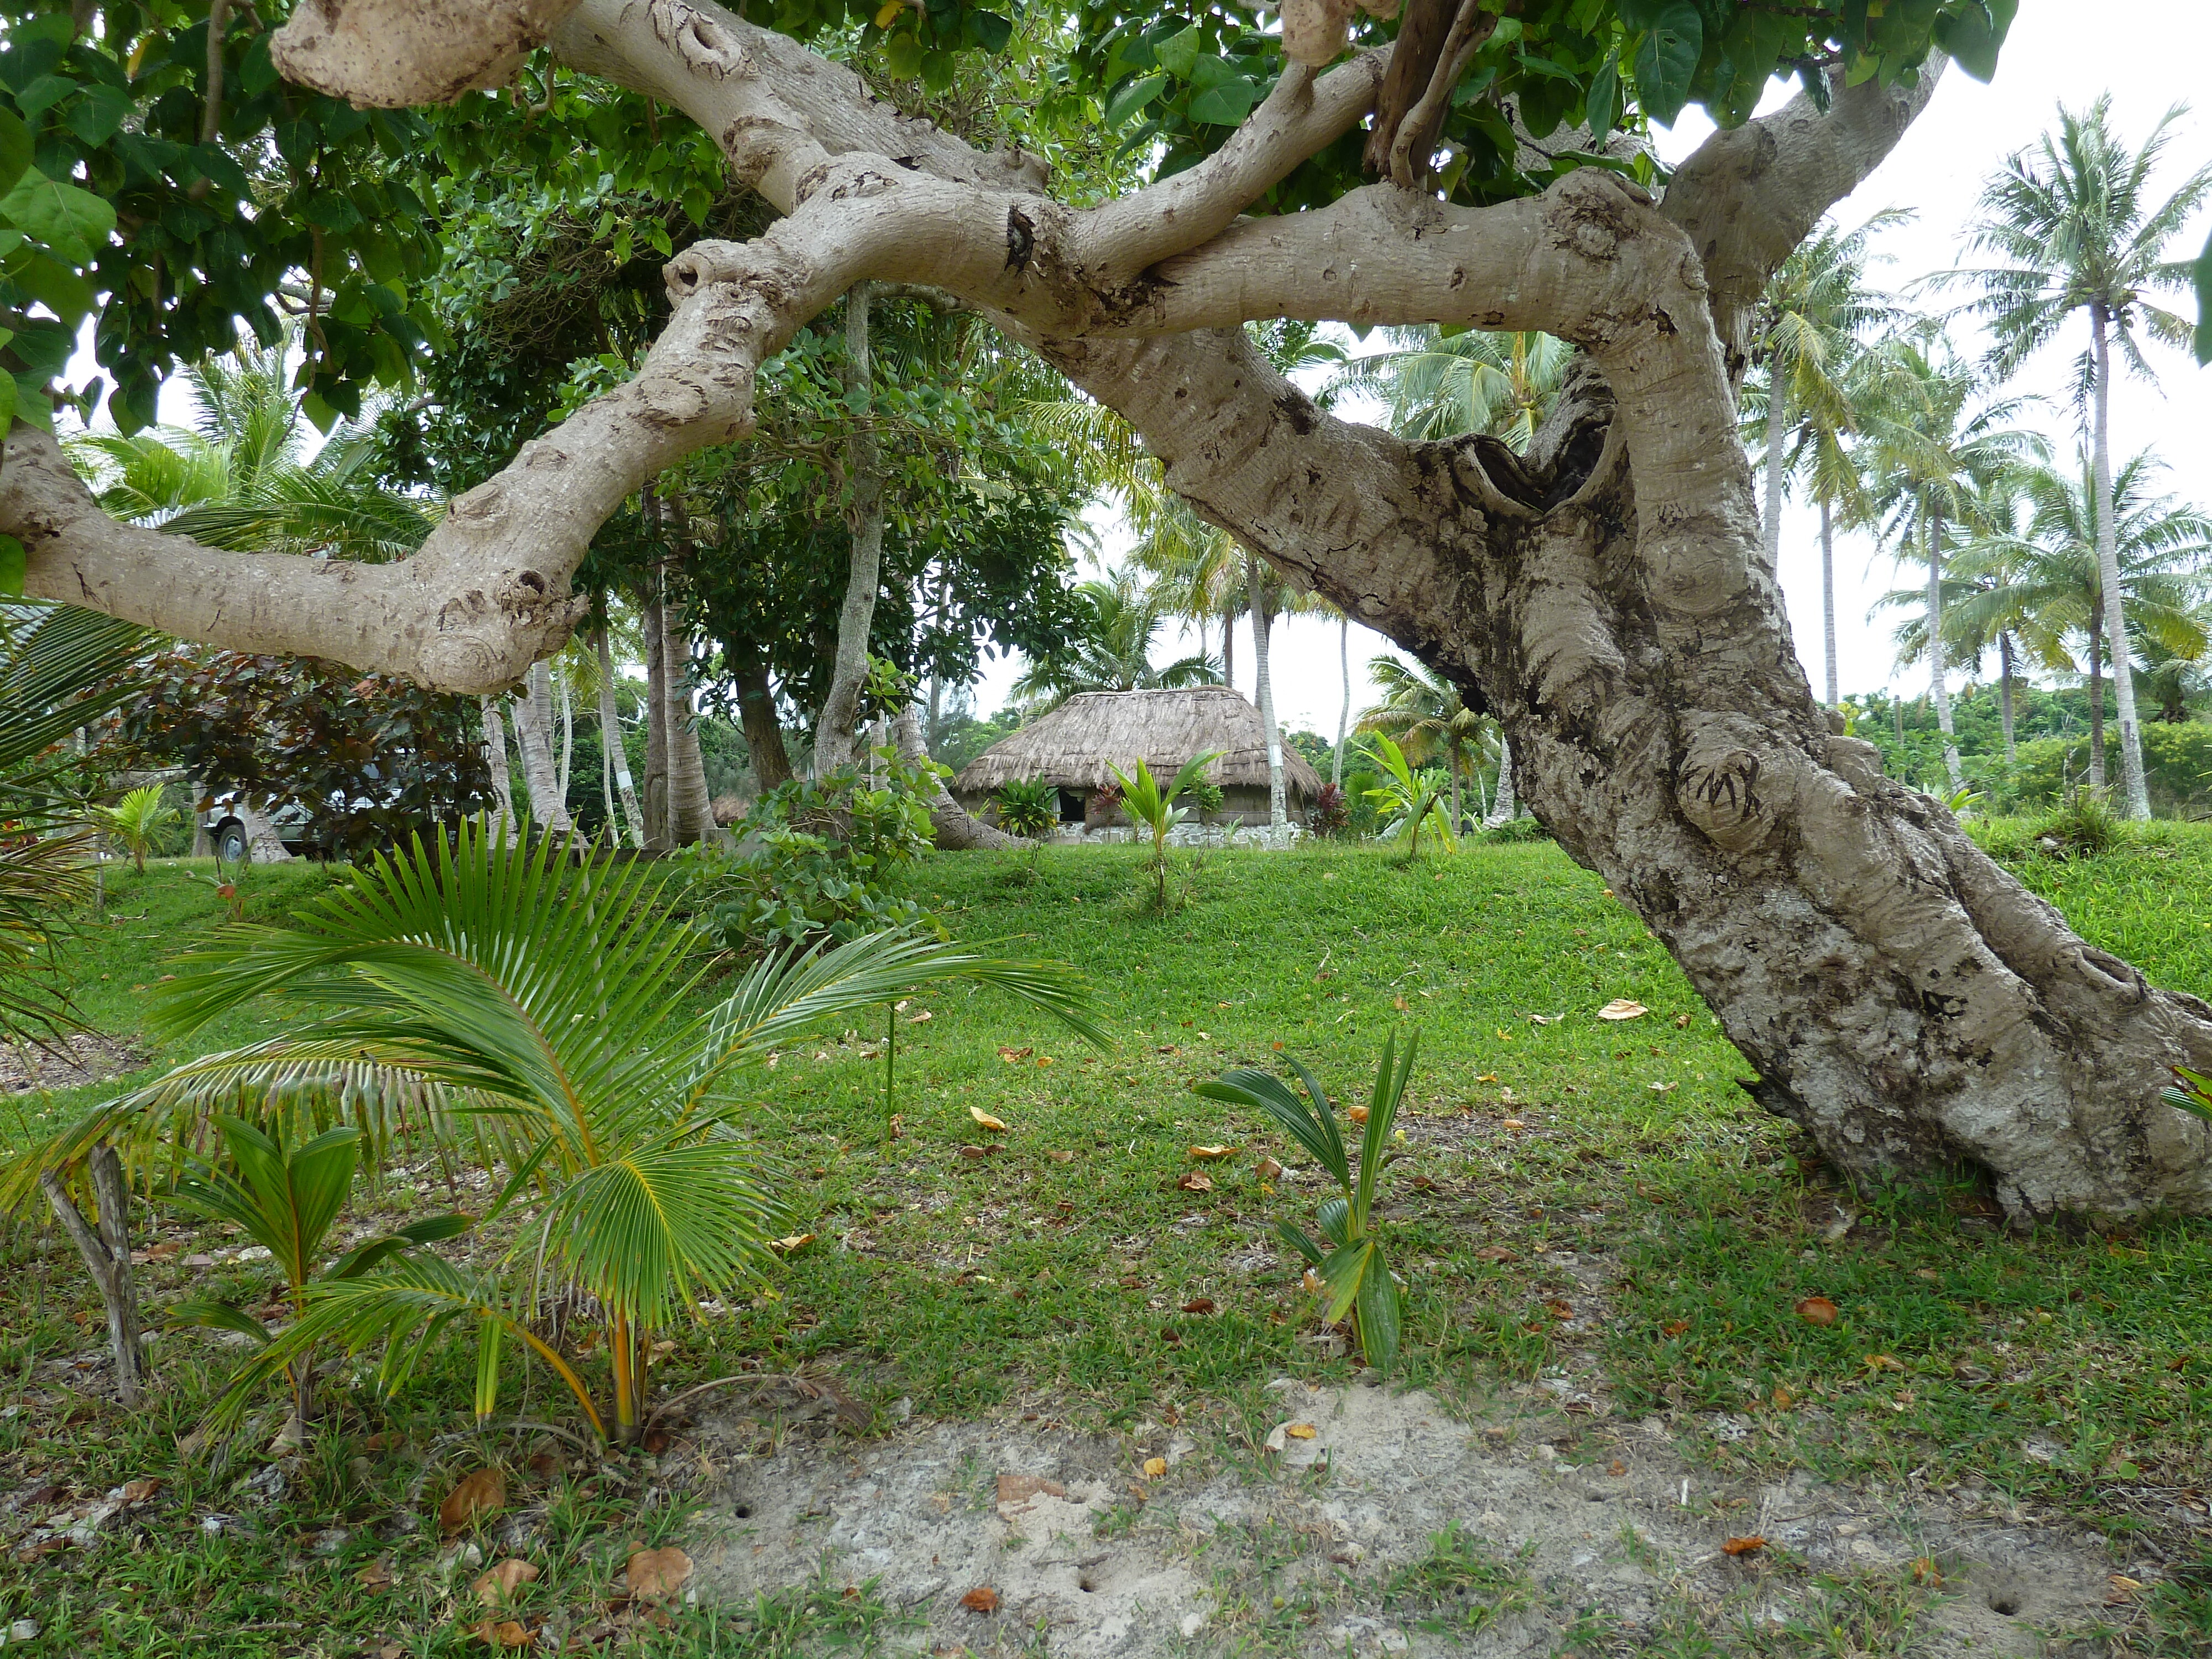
(1071, 805)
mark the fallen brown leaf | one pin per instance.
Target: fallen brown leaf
(482, 1493)
(1495, 1253)
(1423, 1184)
(1195, 1181)
(1674, 1327)
(975, 1151)
(982, 1599)
(504, 1633)
(1311, 1282)
(1623, 1008)
(138, 1491)
(789, 1246)
(1060, 1156)
(2123, 1588)
(376, 1576)
(1816, 1311)
(1925, 1571)
(984, 1118)
(1267, 1169)
(496, 1586)
(1010, 1055)
(1557, 1308)
(1299, 1431)
(1214, 1151)
(1199, 1304)
(1154, 1467)
(1884, 1362)
(651, 1574)
(1750, 1546)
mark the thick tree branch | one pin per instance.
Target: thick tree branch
(1749, 198)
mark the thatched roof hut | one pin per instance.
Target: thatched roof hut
(1076, 745)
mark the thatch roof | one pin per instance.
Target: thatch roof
(1072, 747)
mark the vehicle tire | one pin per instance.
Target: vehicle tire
(231, 844)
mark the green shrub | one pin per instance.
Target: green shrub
(2177, 767)
(1026, 807)
(814, 858)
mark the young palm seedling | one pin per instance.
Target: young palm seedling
(136, 820)
(1407, 798)
(284, 1198)
(1355, 1274)
(1153, 810)
(502, 990)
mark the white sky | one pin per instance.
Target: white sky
(2150, 54)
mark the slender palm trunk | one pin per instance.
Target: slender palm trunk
(656, 717)
(533, 723)
(611, 744)
(1344, 714)
(567, 731)
(1506, 805)
(1777, 430)
(1828, 596)
(494, 745)
(2004, 695)
(1228, 646)
(2134, 786)
(690, 804)
(1938, 688)
(2096, 696)
(1278, 815)
(834, 733)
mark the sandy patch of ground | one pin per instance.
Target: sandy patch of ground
(64, 1063)
(1394, 1529)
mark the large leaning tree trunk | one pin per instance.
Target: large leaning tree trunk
(1606, 595)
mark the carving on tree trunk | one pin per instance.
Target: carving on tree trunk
(1607, 596)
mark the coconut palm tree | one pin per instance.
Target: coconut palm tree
(1424, 714)
(2075, 230)
(1434, 385)
(547, 1006)
(1113, 652)
(1932, 450)
(2044, 583)
(240, 477)
(1801, 399)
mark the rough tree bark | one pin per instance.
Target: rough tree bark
(1606, 595)
(105, 1248)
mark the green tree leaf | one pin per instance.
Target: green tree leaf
(67, 220)
(1667, 60)
(1133, 98)
(14, 150)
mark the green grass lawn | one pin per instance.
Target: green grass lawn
(1047, 1269)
